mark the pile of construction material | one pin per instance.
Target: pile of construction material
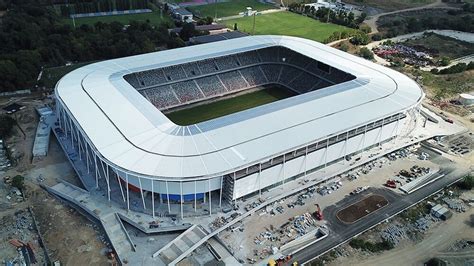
(394, 233)
(401, 153)
(461, 245)
(26, 255)
(221, 221)
(455, 204)
(4, 160)
(415, 171)
(423, 224)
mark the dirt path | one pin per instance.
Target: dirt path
(436, 241)
(372, 22)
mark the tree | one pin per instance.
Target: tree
(365, 28)
(360, 39)
(467, 182)
(188, 31)
(376, 37)
(444, 61)
(366, 53)
(344, 47)
(18, 181)
(6, 126)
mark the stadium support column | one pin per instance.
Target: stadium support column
(396, 128)
(168, 196)
(195, 196)
(106, 175)
(326, 154)
(181, 198)
(87, 158)
(141, 192)
(79, 146)
(283, 176)
(152, 199)
(58, 111)
(72, 133)
(381, 132)
(345, 147)
(96, 173)
(128, 193)
(305, 161)
(210, 197)
(233, 188)
(120, 185)
(363, 137)
(259, 180)
(108, 181)
(220, 196)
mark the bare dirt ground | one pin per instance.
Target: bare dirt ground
(362, 208)
(435, 242)
(69, 237)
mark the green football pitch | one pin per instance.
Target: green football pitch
(230, 8)
(227, 106)
(287, 23)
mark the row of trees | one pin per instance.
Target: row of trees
(394, 25)
(33, 37)
(83, 6)
(339, 17)
(458, 68)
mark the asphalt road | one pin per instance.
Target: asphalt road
(340, 232)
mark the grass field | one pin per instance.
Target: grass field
(443, 46)
(227, 106)
(52, 75)
(155, 18)
(390, 5)
(226, 9)
(287, 23)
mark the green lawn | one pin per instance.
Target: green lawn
(227, 9)
(287, 23)
(155, 18)
(224, 107)
(52, 75)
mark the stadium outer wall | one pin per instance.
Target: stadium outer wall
(232, 186)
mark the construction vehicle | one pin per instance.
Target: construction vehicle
(391, 183)
(283, 259)
(318, 213)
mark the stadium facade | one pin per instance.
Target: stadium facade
(112, 112)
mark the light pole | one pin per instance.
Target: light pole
(253, 27)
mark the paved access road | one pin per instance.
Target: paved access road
(340, 232)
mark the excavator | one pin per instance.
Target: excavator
(318, 213)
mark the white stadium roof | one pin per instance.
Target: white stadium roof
(132, 134)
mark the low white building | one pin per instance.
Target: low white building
(466, 99)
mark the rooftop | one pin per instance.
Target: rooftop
(132, 134)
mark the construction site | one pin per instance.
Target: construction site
(54, 219)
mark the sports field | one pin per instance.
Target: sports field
(287, 23)
(226, 9)
(52, 75)
(227, 106)
(155, 18)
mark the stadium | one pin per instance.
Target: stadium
(210, 124)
